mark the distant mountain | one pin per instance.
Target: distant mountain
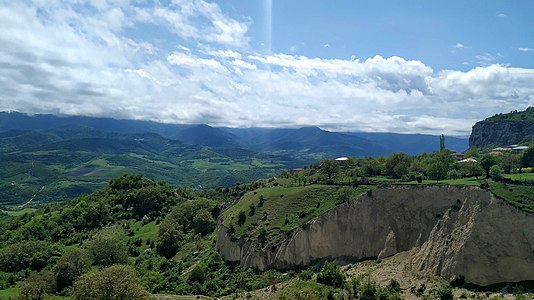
(412, 144)
(207, 136)
(307, 141)
(516, 127)
(200, 134)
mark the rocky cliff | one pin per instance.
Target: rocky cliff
(503, 129)
(450, 230)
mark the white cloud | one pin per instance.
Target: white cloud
(326, 46)
(525, 49)
(183, 17)
(61, 60)
(459, 46)
(193, 62)
(501, 15)
(486, 59)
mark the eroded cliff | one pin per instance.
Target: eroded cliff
(450, 230)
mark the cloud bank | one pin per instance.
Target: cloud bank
(76, 58)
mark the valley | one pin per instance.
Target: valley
(269, 220)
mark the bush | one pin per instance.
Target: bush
(445, 293)
(331, 274)
(70, 267)
(116, 282)
(241, 218)
(108, 250)
(37, 286)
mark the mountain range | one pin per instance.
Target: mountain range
(308, 142)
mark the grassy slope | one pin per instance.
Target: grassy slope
(521, 196)
(286, 208)
(66, 177)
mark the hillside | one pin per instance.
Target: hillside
(168, 237)
(504, 129)
(52, 165)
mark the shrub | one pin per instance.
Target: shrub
(70, 267)
(445, 293)
(115, 282)
(108, 250)
(331, 274)
(241, 218)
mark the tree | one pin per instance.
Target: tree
(70, 267)
(439, 164)
(437, 170)
(115, 282)
(508, 162)
(170, 238)
(527, 158)
(37, 286)
(472, 153)
(496, 172)
(472, 168)
(487, 162)
(108, 250)
(204, 222)
(441, 142)
(398, 165)
(330, 168)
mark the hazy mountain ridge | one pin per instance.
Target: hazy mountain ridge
(309, 143)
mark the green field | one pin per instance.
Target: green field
(285, 208)
(521, 196)
(520, 176)
(461, 181)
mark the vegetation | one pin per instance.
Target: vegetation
(115, 282)
(527, 115)
(269, 211)
(136, 235)
(331, 275)
(68, 164)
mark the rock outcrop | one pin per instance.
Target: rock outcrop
(450, 230)
(503, 129)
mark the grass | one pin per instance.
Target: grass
(285, 208)
(147, 232)
(10, 293)
(520, 176)
(19, 212)
(521, 196)
(461, 181)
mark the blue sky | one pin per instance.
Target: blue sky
(397, 66)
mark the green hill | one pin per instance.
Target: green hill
(44, 166)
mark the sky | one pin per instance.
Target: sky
(381, 66)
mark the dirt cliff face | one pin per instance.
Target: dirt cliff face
(450, 230)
